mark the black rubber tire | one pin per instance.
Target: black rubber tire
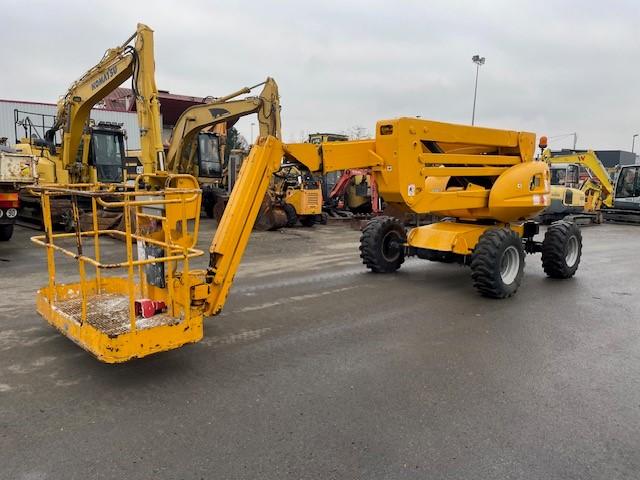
(208, 208)
(486, 263)
(219, 208)
(6, 231)
(308, 220)
(292, 216)
(376, 248)
(555, 249)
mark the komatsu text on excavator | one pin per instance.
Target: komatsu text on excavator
(484, 182)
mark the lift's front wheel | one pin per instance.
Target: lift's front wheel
(561, 250)
(382, 244)
(497, 263)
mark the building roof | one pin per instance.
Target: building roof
(171, 105)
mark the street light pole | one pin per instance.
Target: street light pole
(633, 143)
(478, 60)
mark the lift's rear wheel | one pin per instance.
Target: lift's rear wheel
(497, 263)
(561, 250)
(382, 244)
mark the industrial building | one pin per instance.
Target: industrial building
(23, 118)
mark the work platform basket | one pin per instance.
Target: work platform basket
(140, 302)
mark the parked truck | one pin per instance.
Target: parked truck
(17, 170)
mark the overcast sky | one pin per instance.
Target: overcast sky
(551, 67)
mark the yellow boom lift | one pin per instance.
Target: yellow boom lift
(95, 155)
(484, 180)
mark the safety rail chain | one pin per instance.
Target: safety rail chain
(180, 249)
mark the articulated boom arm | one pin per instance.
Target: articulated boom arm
(234, 229)
(198, 117)
(116, 66)
(452, 170)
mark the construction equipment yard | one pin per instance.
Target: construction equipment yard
(319, 369)
(351, 247)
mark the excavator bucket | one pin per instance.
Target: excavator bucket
(271, 215)
(118, 318)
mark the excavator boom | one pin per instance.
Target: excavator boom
(590, 161)
(118, 64)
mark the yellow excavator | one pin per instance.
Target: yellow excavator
(485, 182)
(580, 186)
(75, 151)
(195, 150)
(293, 194)
(625, 200)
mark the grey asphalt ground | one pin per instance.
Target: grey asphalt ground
(319, 370)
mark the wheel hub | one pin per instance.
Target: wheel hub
(390, 246)
(571, 255)
(509, 265)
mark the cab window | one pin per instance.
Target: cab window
(209, 156)
(628, 183)
(107, 155)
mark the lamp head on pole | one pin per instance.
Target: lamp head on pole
(478, 60)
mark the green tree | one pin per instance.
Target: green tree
(234, 140)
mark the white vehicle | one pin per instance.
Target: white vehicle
(16, 170)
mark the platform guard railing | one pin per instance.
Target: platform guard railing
(173, 207)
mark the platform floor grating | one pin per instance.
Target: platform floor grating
(109, 313)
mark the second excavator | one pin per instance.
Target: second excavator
(582, 197)
(195, 151)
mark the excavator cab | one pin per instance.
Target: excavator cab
(107, 152)
(209, 158)
(627, 193)
(210, 169)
